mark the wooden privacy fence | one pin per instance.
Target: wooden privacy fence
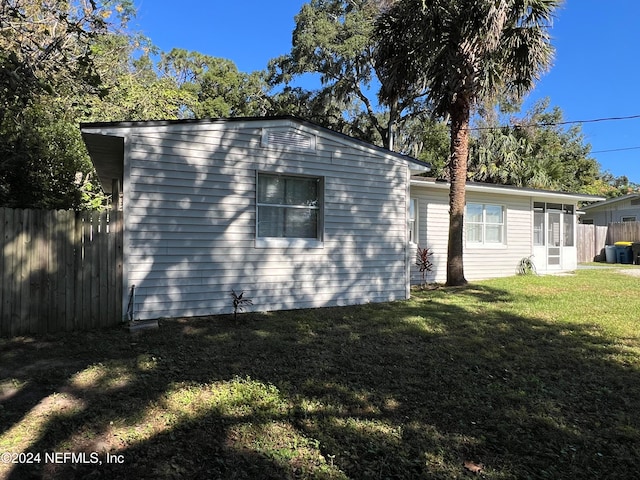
(593, 238)
(623, 232)
(591, 241)
(61, 270)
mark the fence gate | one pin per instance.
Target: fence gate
(60, 270)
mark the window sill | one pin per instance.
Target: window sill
(486, 246)
(301, 243)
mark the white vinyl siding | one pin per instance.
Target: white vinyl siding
(191, 213)
(479, 262)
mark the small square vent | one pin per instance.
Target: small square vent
(288, 139)
(635, 201)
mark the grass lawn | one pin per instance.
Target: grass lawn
(518, 378)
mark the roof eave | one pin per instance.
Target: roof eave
(611, 201)
(507, 190)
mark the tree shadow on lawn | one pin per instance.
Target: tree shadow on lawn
(402, 390)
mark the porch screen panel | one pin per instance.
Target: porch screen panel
(568, 225)
(538, 223)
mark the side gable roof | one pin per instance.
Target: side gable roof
(104, 140)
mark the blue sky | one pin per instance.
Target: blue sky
(595, 75)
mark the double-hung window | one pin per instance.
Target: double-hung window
(484, 224)
(289, 206)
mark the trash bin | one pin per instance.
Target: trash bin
(610, 253)
(635, 250)
(624, 252)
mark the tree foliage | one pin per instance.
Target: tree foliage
(535, 150)
(46, 60)
(65, 62)
(213, 87)
(334, 39)
(405, 74)
(463, 54)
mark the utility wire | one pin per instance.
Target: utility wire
(552, 124)
(616, 150)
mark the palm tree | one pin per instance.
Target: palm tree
(464, 53)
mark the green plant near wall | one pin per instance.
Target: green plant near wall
(239, 303)
(424, 263)
(526, 266)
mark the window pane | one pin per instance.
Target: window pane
(278, 190)
(538, 228)
(270, 189)
(493, 214)
(568, 229)
(287, 222)
(301, 223)
(493, 234)
(301, 191)
(474, 233)
(474, 213)
(270, 222)
(554, 206)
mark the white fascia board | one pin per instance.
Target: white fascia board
(510, 191)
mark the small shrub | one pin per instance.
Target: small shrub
(424, 263)
(239, 303)
(526, 266)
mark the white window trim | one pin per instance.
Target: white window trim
(487, 245)
(292, 242)
(412, 224)
(301, 243)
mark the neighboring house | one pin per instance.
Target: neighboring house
(615, 210)
(298, 216)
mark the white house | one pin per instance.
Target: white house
(614, 210)
(296, 215)
(503, 225)
(293, 214)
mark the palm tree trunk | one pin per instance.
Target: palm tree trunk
(460, 112)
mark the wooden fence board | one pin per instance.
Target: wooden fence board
(593, 238)
(60, 271)
(623, 232)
